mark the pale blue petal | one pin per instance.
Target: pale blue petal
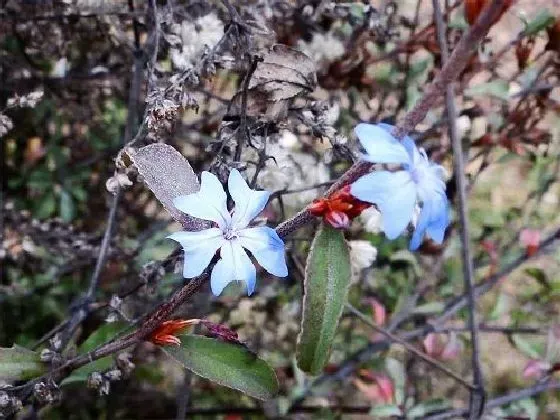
(421, 226)
(248, 203)
(199, 249)
(408, 143)
(440, 220)
(234, 264)
(210, 203)
(433, 220)
(267, 248)
(430, 180)
(394, 193)
(380, 145)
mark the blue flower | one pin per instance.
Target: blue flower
(230, 236)
(397, 193)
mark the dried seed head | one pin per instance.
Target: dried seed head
(45, 394)
(56, 342)
(105, 387)
(47, 355)
(94, 380)
(124, 363)
(113, 375)
(4, 399)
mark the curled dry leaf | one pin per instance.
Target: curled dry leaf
(377, 386)
(283, 74)
(168, 174)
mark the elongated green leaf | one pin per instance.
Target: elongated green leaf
(19, 363)
(326, 284)
(227, 364)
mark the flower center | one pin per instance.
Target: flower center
(230, 234)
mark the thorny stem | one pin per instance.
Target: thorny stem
(477, 397)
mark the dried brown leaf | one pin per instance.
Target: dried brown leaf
(283, 74)
(168, 174)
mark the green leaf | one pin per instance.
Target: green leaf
(539, 275)
(227, 364)
(422, 409)
(526, 347)
(405, 255)
(67, 206)
(103, 334)
(418, 68)
(45, 207)
(385, 410)
(500, 307)
(429, 308)
(498, 88)
(542, 21)
(327, 277)
(19, 363)
(396, 371)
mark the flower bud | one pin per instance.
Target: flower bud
(337, 219)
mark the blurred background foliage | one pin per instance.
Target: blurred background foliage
(373, 62)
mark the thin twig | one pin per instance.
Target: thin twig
(243, 134)
(497, 329)
(500, 401)
(476, 404)
(410, 348)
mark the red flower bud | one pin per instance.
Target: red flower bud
(318, 207)
(339, 208)
(165, 333)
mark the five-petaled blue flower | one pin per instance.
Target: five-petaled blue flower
(231, 234)
(397, 193)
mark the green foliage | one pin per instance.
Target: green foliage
(326, 283)
(19, 363)
(497, 88)
(228, 364)
(95, 339)
(542, 21)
